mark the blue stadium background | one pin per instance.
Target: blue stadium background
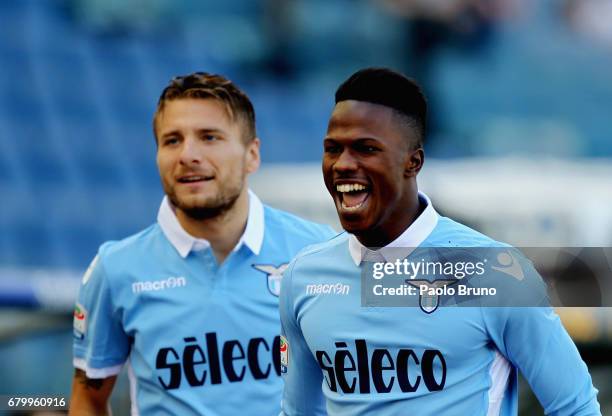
(80, 79)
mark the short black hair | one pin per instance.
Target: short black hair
(386, 87)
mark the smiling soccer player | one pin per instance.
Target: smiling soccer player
(340, 358)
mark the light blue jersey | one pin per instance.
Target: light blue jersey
(198, 338)
(345, 359)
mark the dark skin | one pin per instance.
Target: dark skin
(372, 146)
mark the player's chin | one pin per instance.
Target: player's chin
(197, 191)
(352, 226)
(355, 221)
(191, 201)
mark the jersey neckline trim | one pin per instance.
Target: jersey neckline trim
(411, 238)
(184, 242)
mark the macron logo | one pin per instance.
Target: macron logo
(328, 289)
(155, 285)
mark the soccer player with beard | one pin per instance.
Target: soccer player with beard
(341, 358)
(190, 304)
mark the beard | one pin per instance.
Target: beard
(212, 207)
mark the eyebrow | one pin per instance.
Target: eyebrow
(204, 130)
(360, 139)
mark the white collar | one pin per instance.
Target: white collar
(411, 238)
(184, 243)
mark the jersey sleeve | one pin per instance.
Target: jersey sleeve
(535, 341)
(100, 345)
(301, 374)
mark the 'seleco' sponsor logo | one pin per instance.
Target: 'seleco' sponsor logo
(348, 374)
(214, 363)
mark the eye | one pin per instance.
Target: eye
(367, 148)
(331, 148)
(209, 137)
(170, 140)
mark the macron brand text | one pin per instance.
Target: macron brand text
(328, 289)
(156, 285)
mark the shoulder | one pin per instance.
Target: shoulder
(120, 254)
(329, 249)
(450, 233)
(507, 268)
(283, 222)
(315, 260)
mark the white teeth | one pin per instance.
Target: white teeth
(350, 187)
(193, 179)
(353, 208)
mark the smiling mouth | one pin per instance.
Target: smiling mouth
(353, 196)
(193, 179)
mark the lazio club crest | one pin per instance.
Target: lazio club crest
(429, 303)
(274, 274)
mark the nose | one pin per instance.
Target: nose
(345, 162)
(190, 152)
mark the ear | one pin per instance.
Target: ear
(414, 162)
(253, 158)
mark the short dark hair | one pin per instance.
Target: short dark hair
(386, 87)
(211, 86)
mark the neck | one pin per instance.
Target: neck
(223, 231)
(396, 224)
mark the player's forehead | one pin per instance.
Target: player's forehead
(192, 108)
(353, 119)
(190, 113)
